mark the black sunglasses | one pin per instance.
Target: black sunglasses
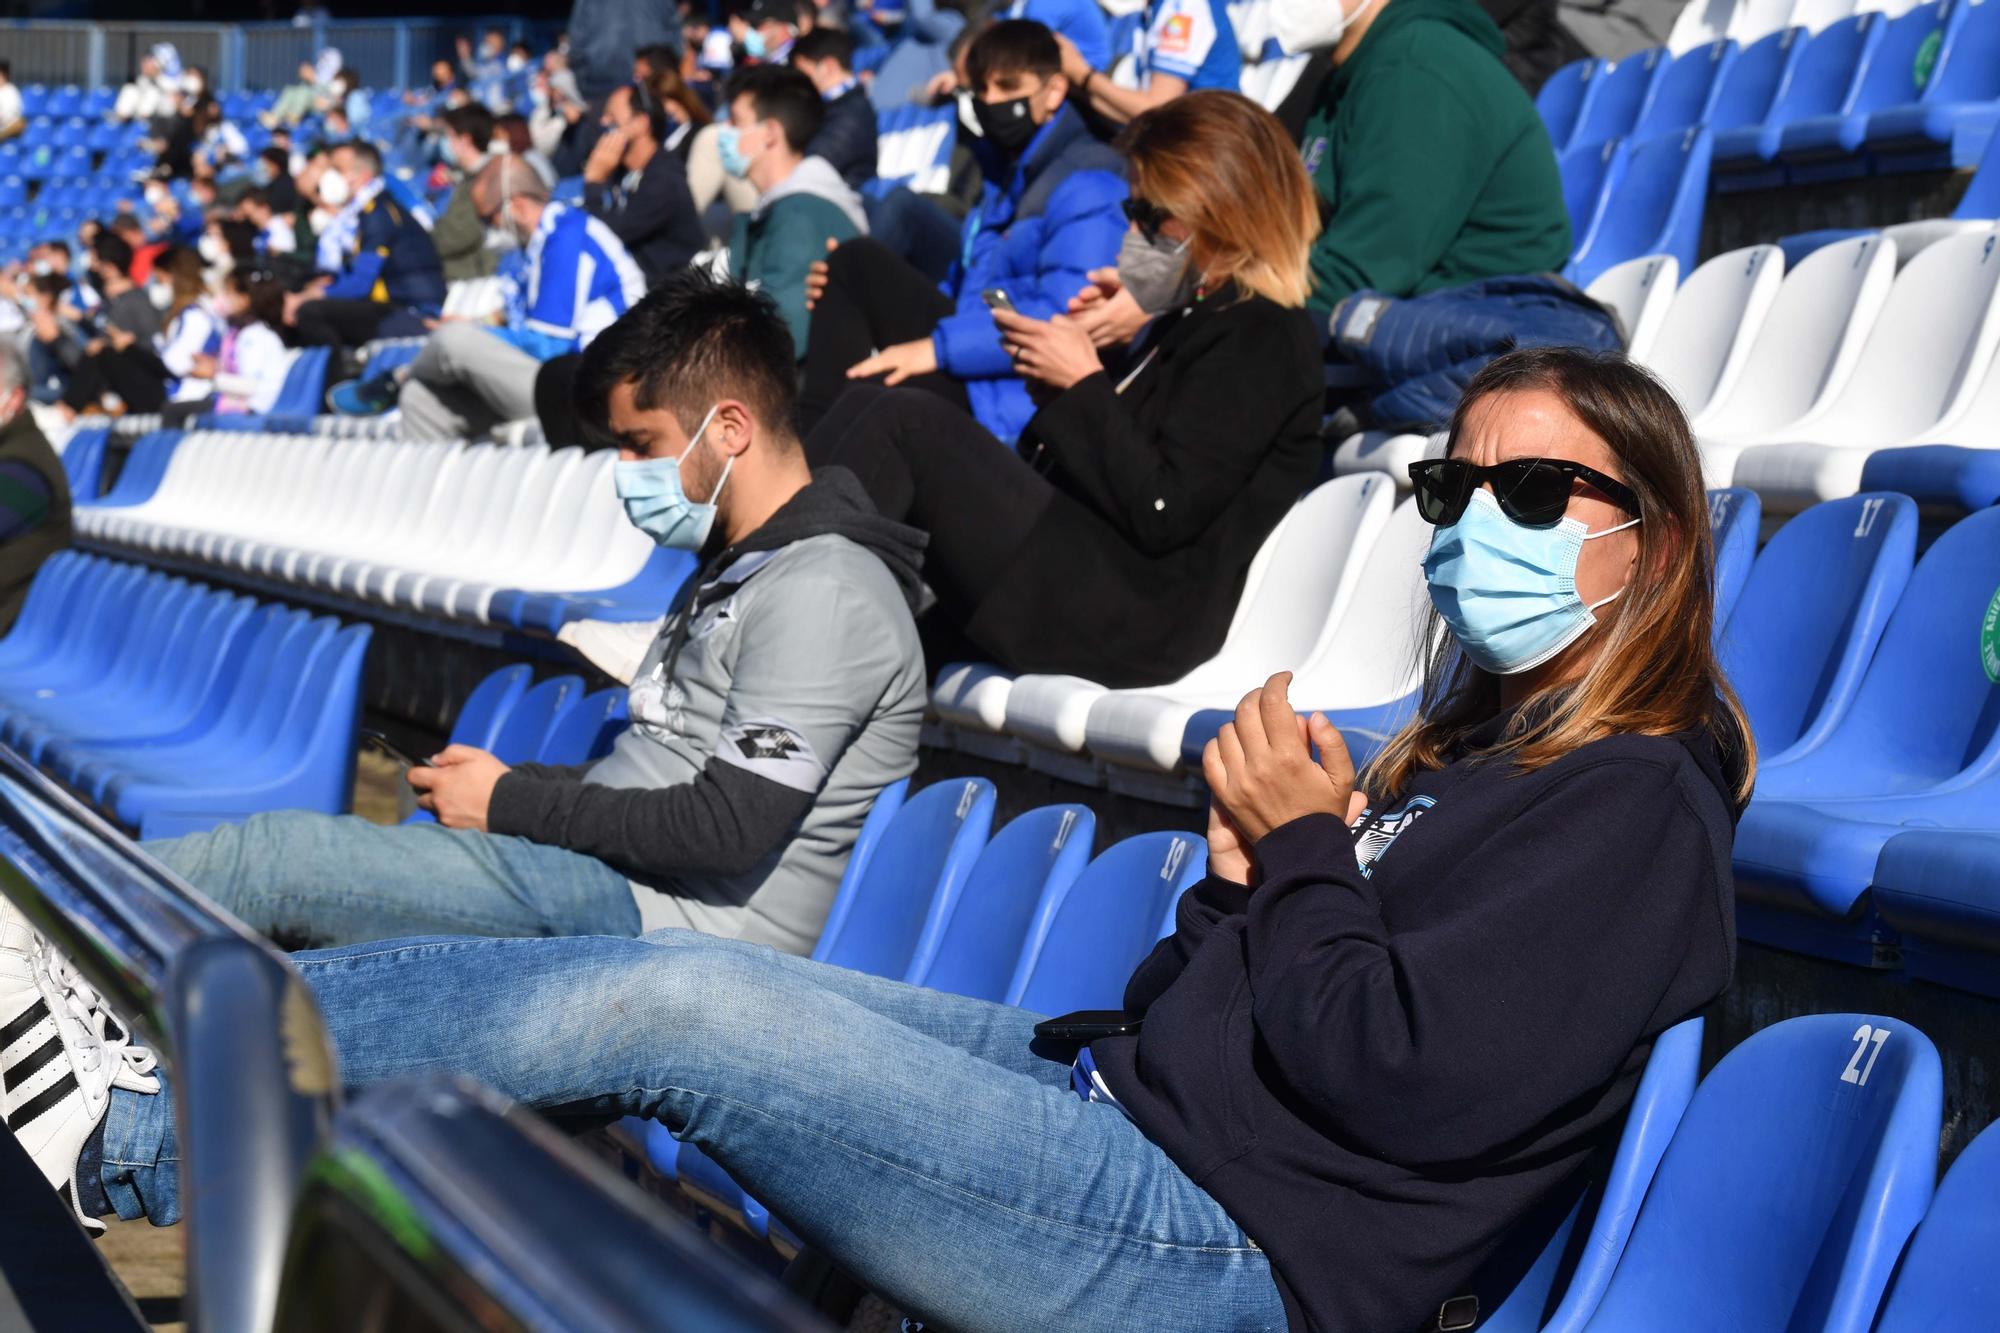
(1145, 215)
(1533, 492)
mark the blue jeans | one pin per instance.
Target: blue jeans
(917, 1139)
(310, 879)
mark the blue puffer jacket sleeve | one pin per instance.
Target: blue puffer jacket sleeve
(1041, 263)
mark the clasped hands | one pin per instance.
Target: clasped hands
(1261, 776)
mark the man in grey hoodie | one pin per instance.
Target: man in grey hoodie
(783, 692)
(802, 203)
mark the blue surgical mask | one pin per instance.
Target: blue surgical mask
(262, 172)
(729, 142)
(658, 505)
(753, 44)
(1508, 592)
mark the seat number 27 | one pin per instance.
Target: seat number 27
(1867, 1042)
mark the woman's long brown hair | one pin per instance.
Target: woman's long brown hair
(1655, 672)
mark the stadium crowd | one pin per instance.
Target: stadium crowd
(1047, 418)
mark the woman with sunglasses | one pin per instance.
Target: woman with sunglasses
(1112, 542)
(1397, 1015)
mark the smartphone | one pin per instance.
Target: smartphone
(1087, 1025)
(390, 748)
(997, 299)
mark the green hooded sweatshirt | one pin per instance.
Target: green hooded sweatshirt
(1432, 166)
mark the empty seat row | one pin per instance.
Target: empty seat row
(520, 536)
(175, 706)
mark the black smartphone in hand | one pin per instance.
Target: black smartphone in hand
(1087, 1025)
(390, 748)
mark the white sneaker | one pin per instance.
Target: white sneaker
(61, 1053)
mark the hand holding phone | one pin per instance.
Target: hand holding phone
(390, 748)
(997, 299)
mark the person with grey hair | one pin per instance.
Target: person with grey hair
(470, 377)
(34, 492)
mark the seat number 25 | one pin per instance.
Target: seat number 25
(1867, 1042)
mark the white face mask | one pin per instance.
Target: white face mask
(161, 294)
(213, 251)
(1312, 25)
(41, 268)
(516, 63)
(334, 191)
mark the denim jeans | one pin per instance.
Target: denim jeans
(919, 1140)
(309, 879)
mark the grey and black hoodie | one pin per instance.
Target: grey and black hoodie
(781, 695)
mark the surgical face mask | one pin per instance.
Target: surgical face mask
(1508, 592)
(334, 191)
(1156, 272)
(262, 172)
(657, 503)
(753, 44)
(161, 294)
(1312, 25)
(1009, 126)
(41, 268)
(729, 142)
(213, 251)
(516, 63)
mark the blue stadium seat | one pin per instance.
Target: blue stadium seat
(1031, 861)
(34, 100)
(1565, 97)
(587, 730)
(13, 192)
(1939, 891)
(1810, 615)
(1823, 72)
(1733, 517)
(40, 132)
(1592, 1231)
(1918, 746)
(1950, 118)
(1948, 1282)
(485, 709)
(1623, 93)
(526, 730)
(1589, 174)
(97, 102)
(65, 101)
(83, 460)
(1827, 146)
(1653, 206)
(1687, 91)
(1085, 942)
(1804, 1161)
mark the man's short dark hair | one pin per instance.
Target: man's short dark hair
(112, 250)
(365, 154)
(826, 44)
(472, 121)
(783, 94)
(692, 342)
(6, 70)
(1012, 46)
(279, 159)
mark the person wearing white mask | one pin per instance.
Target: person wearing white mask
(388, 279)
(1149, 478)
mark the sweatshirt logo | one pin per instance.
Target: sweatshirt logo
(1373, 834)
(768, 742)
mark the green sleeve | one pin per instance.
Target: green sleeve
(1407, 180)
(791, 239)
(459, 233)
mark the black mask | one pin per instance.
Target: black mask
(1008, 126)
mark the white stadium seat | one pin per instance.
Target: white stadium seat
(1639, 291)
(1705, 339)
(1752, 19)
(1813, 15)
(1699, 23)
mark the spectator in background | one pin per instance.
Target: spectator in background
(557, 110)
(767, 28)
(846, 141)
(151, 93)
(639, 190)
(145, 249)
(297, 101)
(218, 144)
(389, 278)
(1050, 214)
(802, 204)
(510, 134)
(271, 172)
(485, 70)
(603, 34)
(686, 112)
(34, 490)
(12, 122)
(1150, 476)
(460, 233)
(1082, 23)
(1179, 46)
(277, 232)
(353, 103)
(248, 372)
(188, 325)
(121, 363)
(471, 377)
(56, 335)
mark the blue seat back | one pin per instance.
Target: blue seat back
(1968, 60)
(486, 708)
(1588, 175)
(881, 813)
(1685, 92)
(1040, 853)
(1085, 943)
(530, 720)
(1805, 1159)
(1811, 613)
(1948, 1281)
(1829, 70)
(83, 461)
(1733, 518)
(889, 921)
(1926, 709)
(1981, 199)
(305, 383)
(1623, 92)
(1890, 74)
(1654, 206)
(1563, 98)
(585, 731)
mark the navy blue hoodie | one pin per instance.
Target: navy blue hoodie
(1409, 1034)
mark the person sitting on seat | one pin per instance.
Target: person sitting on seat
(390, 279)
(1049, 215)
(1400, 1013)
(1179, 46)
(34, 489)
(470, 377)
(120, 368)
(638, 189)
(12, 121)
(152, 92)
(249, 369)
(460, 235)
(846, 139)
(1150, 477)
(802, 204)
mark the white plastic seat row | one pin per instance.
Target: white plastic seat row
(431, 527)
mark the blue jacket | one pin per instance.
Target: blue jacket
(1036, 234)
(391, 260)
